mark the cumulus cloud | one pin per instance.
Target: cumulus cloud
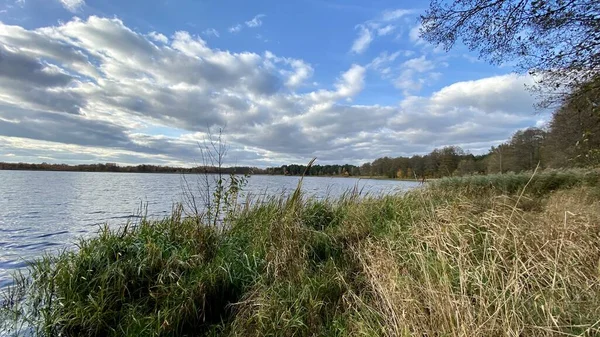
(72, 5)
(469, 112)
(296, 76)
(158, 37)
(352, 81)
(97, 90)
(489, 94)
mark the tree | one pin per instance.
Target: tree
(417, 163)
(526, 149)
(466, 167)
(365, 169)
(431, 164)
(574, 131)
(498, 158)
(450, 156)
(559, 40)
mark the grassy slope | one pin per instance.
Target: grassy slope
(463, 257)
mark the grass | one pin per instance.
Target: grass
(510, 183)
(473, 256)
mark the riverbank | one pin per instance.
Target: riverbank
(477, 256)
(226, 171)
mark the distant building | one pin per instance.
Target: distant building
(111, 164)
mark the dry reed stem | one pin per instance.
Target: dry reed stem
(497, 273)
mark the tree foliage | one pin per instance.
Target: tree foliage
(438, 163)
(574, 132)
(559, 40)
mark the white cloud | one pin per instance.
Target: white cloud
(415, 73)
(392, 15)
(363, 40)
(73, 5)
(409, 82)
(347, 86)
(467, 113)
(253, 23)
(377, 27)
(158, 37)
(211, 32)
(235, 28)
(414, 35)
(296, 76)
(385, 30)
(410, 75)
(488, 94)
(383, 61)
(103, 90)
(256, 21)
(419, 64)
(352, 81)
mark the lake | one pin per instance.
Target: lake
(47, 211)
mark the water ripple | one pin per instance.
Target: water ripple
(43, 211)
(51, 234)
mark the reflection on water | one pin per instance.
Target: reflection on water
(46, 211)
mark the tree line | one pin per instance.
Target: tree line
(314, 170)
(112, 167)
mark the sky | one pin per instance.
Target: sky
(143, 81)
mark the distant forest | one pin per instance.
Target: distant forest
(571, 139)
(112, 167)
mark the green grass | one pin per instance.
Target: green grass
(462, 257)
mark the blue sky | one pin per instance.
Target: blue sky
(142, 81)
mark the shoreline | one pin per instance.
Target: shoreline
(201, 173)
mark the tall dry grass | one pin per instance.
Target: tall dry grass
(463, 270)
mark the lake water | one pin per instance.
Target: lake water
(48, 211)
